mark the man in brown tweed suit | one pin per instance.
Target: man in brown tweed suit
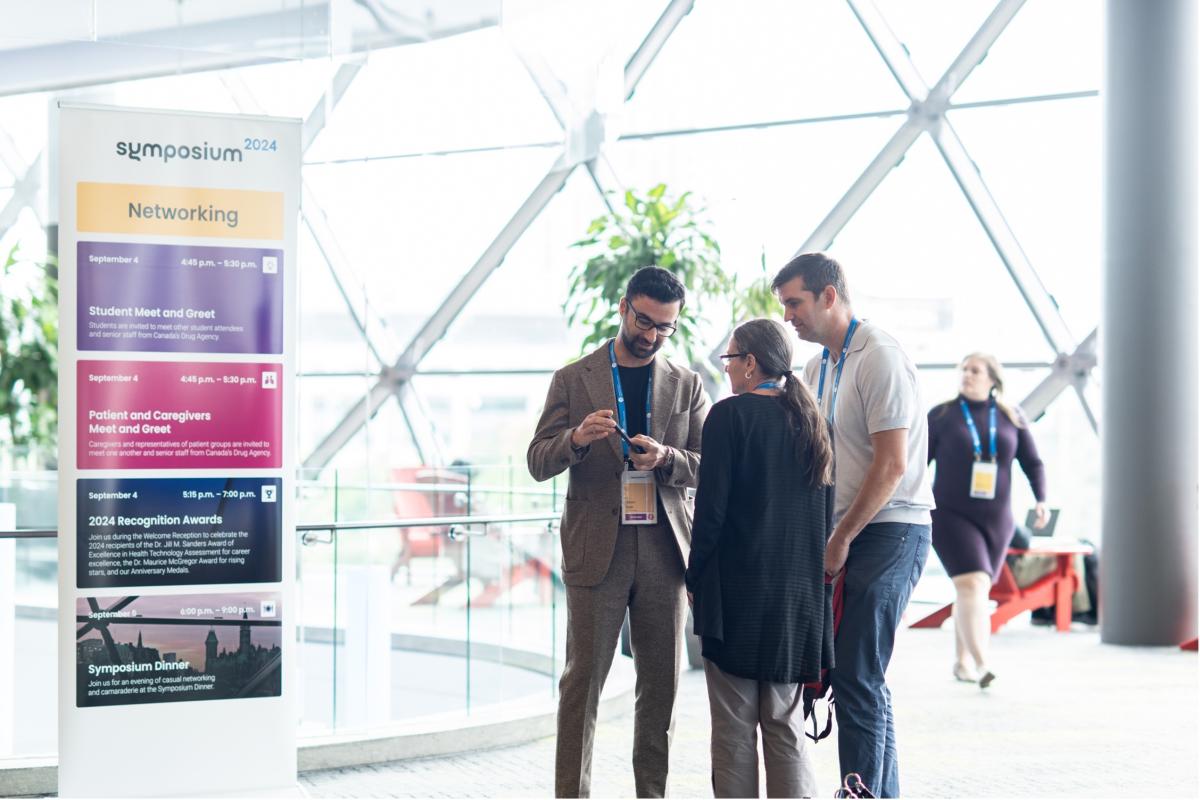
(609, 566)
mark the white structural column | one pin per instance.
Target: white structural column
(1148, 344)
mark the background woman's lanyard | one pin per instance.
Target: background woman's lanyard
(768, 385)
(612, 357)
(837, 375)
(975, 431)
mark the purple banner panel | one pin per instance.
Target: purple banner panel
(180, 298)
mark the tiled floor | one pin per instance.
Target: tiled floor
(1067, 717)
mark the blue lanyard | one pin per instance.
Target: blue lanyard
(975, 431)
(612, 357)
(837, 376)
(767, 385)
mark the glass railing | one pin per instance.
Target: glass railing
(441, 617)
(427, 598)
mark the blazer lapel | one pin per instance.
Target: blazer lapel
(662, 398)
(597, 379)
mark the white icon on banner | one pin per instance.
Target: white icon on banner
(268, 494)
(270, 380)
(268, 608)
(270, 265)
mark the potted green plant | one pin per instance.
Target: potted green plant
(656, 230)
(29, 354)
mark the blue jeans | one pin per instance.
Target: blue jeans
(886, 560)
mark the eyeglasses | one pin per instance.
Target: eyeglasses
(644, 323)
(728, 356)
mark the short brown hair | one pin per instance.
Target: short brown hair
(818, 271)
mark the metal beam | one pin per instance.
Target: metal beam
(285, 35)
(9, 155)
(437, 325)
(651, 46)
(761, 125)
(1037, 297)
(848, 205)
(885, 41)
(316, 120)
(1067, 372)
(24, 195)
(976, 49)
(420, 429)
(927, 113)
(921, 114)
(392, 380)
(929, 106)
(371, 326)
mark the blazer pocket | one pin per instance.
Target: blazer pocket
(573, 533)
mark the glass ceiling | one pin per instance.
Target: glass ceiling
(766, 110)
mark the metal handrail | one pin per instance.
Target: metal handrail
(412, 522)
(429, 487)
(431, 522)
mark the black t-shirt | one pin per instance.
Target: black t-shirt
(633, 382)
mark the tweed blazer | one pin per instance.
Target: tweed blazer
(591, 512)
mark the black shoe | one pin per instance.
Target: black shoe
(1086, 617)
(1042, 616)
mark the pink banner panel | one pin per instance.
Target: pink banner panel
(176, 415)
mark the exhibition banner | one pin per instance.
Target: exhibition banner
(179, 298)
(177, 531)
(172, 648)
(177, 254)
(178, 415)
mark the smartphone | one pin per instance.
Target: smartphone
(637, 448)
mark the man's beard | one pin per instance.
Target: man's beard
(635, 345)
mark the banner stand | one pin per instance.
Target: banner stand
(178, 286)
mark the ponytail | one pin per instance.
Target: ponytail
(813, 448)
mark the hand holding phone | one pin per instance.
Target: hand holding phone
(637, 448)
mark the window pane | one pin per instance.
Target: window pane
(462, 92)
(919, 264)
(1042, 164)
(934, 31)
(1047, 48)
(762, 60)
(411, 228)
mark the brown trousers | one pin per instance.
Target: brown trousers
(645, 577)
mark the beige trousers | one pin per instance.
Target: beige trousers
(645, 577)
(739, 708)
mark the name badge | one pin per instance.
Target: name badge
(983, 480)
(639, 497)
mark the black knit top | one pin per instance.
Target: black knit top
(758, 548)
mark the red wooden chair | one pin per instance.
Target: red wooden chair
(432, 541)
(1053, 589)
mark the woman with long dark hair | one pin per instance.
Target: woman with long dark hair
(974, 439)
(756, 572)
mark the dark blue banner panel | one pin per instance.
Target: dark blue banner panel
(177, 531)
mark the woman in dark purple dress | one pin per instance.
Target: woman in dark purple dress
(974, 439)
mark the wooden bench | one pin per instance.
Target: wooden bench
(1053, 589)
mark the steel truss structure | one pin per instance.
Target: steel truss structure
(583, 138)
